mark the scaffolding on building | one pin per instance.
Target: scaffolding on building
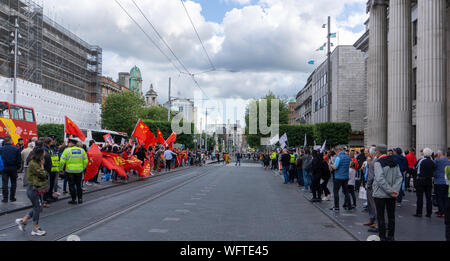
(29, 16)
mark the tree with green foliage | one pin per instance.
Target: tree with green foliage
(156, 113)
(335, 133)
(121, 111)
(45, 130)
(254, 140)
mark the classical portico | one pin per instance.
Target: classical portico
(390, 79)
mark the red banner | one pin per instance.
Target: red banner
(147, 169)
(72, 128)
(95, 159)
(114, 162)
(108, 139)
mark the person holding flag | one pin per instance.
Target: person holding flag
(74, 160)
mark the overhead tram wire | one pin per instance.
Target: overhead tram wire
(160, 37)
(170, 60)
(198, 36)
(153, 42)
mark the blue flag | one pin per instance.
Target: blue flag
(333, 35)
(311, 62)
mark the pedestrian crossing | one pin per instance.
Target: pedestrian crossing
(244, 165)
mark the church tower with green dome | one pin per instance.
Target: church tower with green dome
(136, 80)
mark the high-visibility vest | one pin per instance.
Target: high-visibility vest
(55, 162)
(75, 159)
(273, 156)
(292, 158)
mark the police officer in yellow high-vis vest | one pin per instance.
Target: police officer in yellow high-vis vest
(74, 161)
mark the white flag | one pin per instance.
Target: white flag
(284, 138)
(275, 139)
(323, 147)
(306, 142)
(123, 141)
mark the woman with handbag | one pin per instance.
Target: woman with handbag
(37, 185)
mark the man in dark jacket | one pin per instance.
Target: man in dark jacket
(424, 183)
(403, 164)
(12, 163)
(316, 174)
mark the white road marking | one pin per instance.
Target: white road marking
(171, 219)
(155, 230)
(190, 204)
(182, 210)
(200, 194)
(195, 198)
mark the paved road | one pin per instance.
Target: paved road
(210, 203)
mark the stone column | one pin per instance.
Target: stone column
(448, 75)
(431, 75)
(377, 74)
(399, 75)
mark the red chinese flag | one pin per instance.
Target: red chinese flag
(160, 138)
(113, 162)
(172, 138)
(140, 132)
(151, 140)
(72, 128)
(95, 159)
(146, 170)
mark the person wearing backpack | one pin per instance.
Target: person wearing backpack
(424, 182)
(307, 166)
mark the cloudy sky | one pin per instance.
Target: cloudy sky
(256, 45)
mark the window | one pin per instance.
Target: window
(17, 113)
(414, 85)
(29, 116)
(415, 33)
(4, 112)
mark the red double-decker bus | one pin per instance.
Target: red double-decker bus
(17, 121)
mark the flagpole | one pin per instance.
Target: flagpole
(135, 127)
(65, 120)
(329, 69)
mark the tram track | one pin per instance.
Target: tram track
(120, 211)
(135, 187)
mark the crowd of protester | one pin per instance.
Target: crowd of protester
(379, 176)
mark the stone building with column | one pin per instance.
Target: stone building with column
(408, 85)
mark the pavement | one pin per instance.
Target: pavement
(408, 227)
(23, 202)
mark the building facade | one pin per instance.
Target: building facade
(136, 80)
(124, 79)
(408, 81)
(49, 54)
(50, 106)
(184, 106)
(109, 86)
(347, 88)
(151, 98)
(292, 116)
(303, 108)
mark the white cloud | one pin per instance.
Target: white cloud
(267, 44)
